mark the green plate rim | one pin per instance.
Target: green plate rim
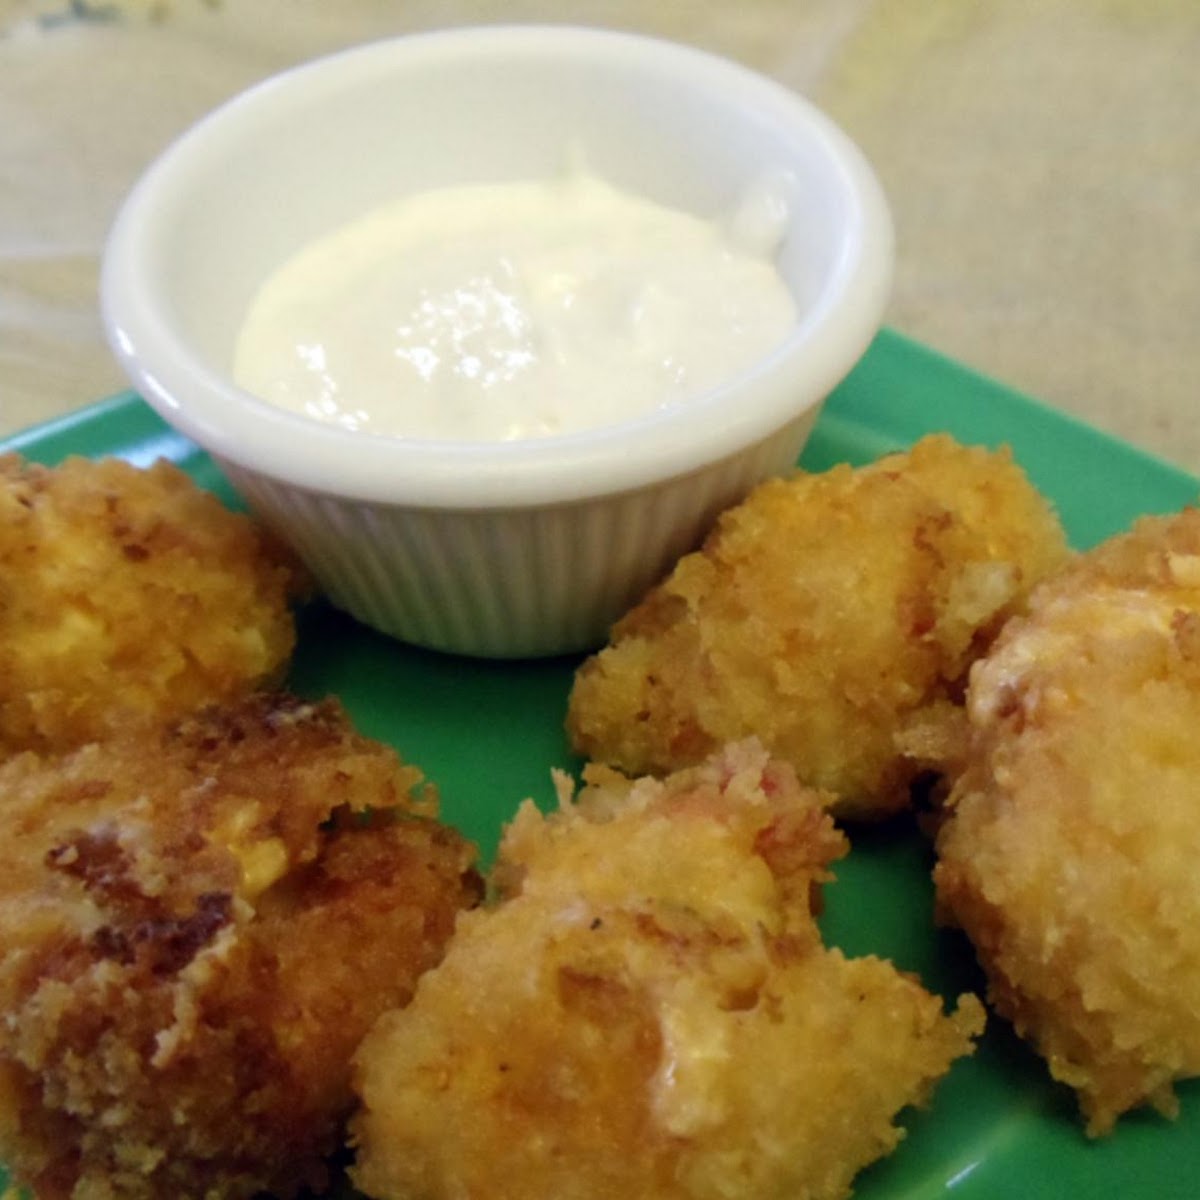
(1031, 1147)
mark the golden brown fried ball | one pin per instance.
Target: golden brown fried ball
(128, 593)
(1069, 855)
(834, 616)
(199, 925)
(650, 1013)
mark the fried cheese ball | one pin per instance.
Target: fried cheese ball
(1069, 851)
(834, 616)
(128, 593)
(649, 1012)
(199, 925)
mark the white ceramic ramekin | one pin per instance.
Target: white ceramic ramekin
(498, 549)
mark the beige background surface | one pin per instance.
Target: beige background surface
(1042, 158)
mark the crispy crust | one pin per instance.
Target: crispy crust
(128, 594)
(649, 1012)
(833, 616)
(1068, 851)
(199, 926)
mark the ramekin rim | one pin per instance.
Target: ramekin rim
(237, 427)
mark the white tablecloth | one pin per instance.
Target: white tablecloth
(1042, 158)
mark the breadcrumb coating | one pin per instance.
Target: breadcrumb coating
(128, 594)
(649, 1012)
(834, 616)
(1069, 852)
(199, 925)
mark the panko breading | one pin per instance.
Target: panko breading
(833, 616)
(1069, 853)
(199, 925)
(128, 593)
(649, 1012)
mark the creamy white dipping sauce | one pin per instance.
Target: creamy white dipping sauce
(517, 310)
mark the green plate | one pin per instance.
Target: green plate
(488, 733)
